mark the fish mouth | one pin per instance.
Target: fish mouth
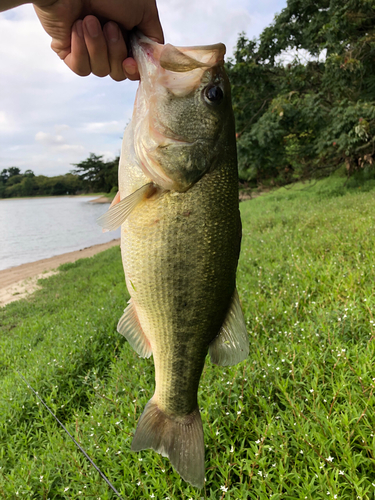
(178, 69)
(177, 59)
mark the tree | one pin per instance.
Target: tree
(96, 174)
(314, 114)
(28, 184)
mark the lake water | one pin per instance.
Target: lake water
(37, 228)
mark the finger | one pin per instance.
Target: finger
(150, 24)
(117, 50)
(78, 58)
(61, 39)
(96, 46)
(130, 69)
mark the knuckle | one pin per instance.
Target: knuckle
(118, 78)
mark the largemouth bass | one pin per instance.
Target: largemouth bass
(180, 239)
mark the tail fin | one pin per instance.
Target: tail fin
(178, 438)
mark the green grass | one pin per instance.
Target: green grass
(294, 421)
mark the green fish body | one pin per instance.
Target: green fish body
(180, 240)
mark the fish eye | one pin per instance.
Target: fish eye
(213, 94)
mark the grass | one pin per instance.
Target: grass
(294, 421)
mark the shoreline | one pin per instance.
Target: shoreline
(100, 198)
(19, 281)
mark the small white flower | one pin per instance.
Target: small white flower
(139, 483)
(66, 489)
(341, 472)
(152, 496)
(260, 473)
(224, 488)
(301, 452)
(257, 442)
(330, 459)
(231, 449)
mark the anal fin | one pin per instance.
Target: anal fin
(180, 438)
(231, 346)
(131, 329)
(119, 212)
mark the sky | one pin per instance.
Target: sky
(51, 118)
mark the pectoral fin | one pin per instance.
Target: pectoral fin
(118, 213)
(231, 346)
(115, 200)
(131, 329)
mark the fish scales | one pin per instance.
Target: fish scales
(198, 276)
(180, 239)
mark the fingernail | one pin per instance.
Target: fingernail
(112, 32)
(79, 29)
(92, 27)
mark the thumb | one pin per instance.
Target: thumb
(58, 26)
(150, 24)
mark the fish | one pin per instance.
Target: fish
(178, 210)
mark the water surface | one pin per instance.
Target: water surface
(38, 228)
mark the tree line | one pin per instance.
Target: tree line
(314, 113)
(89, 176)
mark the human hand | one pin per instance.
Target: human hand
(79, 39)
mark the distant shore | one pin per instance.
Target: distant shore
(100, 198)
(19, 281)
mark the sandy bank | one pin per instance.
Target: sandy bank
(18, 282)
(101, 199)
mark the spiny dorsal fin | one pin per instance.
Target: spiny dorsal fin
(231, 346)
(117, 214)
(131, 329)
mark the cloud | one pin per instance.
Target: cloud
(48, 139)
(6, 123)
(104, 127)
(57, 142)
